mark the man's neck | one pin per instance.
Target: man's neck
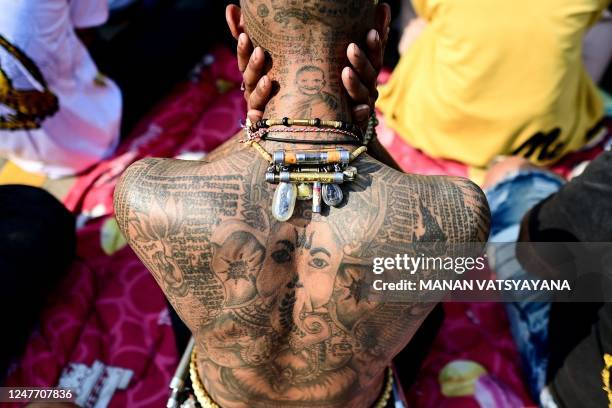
(300, 141)
(308, 91)
(323, 107)
(306, 43)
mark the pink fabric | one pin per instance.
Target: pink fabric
(489, 392)
(110, 308)
(412, 160)
(471, 331)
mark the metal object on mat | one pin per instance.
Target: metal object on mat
(178, 380)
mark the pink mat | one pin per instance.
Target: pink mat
(110, 309)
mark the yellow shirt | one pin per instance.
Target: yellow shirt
(496, 77)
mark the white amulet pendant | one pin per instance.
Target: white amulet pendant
(332, 195)
(284, 201)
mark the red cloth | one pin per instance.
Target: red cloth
(477, 332)
(108, 309)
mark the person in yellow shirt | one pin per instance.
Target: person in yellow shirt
(496, 77)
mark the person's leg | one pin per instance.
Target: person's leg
(37, 245)
(510, 196)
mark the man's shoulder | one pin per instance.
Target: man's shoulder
(141, 174)
(151, 179)
(437, 187)
(447, 208)
(180, 184)
(475, 208)
(159, 173)
(470, 209)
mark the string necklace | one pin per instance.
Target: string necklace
(311, 174)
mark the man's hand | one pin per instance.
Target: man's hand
(359, 78)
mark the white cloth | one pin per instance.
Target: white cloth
(86, 127)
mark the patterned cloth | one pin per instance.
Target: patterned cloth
(509, 200)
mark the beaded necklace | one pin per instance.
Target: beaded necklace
(308, 174)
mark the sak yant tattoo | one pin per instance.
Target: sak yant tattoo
(307, 41)
(284, 313)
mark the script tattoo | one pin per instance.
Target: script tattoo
(284, 314)
(306, 41)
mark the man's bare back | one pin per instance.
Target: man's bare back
(282, 313)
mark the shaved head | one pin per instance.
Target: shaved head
(307, 41)
(266, 19)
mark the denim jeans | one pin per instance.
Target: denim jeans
(509, 201)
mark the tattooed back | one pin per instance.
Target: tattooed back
(283, 313)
